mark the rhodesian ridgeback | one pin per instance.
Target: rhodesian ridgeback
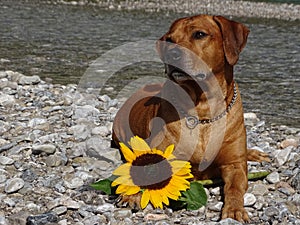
(199, 108)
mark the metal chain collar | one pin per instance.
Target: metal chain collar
(192, 121)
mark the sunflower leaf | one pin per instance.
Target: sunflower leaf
(104, 185)
(195, 197)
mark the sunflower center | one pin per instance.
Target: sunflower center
(151, 171)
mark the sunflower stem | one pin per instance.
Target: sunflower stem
(251, 176)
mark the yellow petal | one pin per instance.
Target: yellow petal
(122, 189)
(132, 190)
(156, 199)
(139, 144)
(174, 190)
(178, 164)
(128, 154)
(181, 171)
(126, 180)
(157, 151)
(164, 196)
(168, 152)
(124, 169)
(179, 184)
(145, 199)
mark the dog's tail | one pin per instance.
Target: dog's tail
(257, 156)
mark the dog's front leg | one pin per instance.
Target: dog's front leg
(236, 183)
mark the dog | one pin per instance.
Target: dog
(199, 108)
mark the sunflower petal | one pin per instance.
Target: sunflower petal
(128, 154)
(168, 152)
(145, 198)
(178, 164)
(121, 189)
(181, 171)
(139, 144)
(124, 169)
(132, 190)
(156, 199)
(126, 180)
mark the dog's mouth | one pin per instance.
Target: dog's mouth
(178, 75)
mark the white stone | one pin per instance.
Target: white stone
(249, 199)
(6, 161)
(13, 185)
(273, 177)
(281, 156)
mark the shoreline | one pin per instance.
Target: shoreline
(55, 142)
(281, 11)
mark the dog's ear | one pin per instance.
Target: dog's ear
(234, 38)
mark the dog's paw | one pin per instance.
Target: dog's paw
(132, 201)
(240, 214)
(257, 156)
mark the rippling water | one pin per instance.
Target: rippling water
(60, 42)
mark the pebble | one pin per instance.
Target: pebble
(55, 141)
(6, 161)
(281, 156)
(273, 177)
(42, 219)
(249, 199)
(46, 148)
(289, 142)
(13, 185)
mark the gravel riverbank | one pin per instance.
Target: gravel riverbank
(215, 7)
(55, 141)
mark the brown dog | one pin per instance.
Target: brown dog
(200, 109)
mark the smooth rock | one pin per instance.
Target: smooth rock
(6, 100)
(46, 148)
(249, 199)
(6, 161)
(81, 132)
(13, 185)
(273, 177)
(216, 207)
(27, 80)
(281, 156)
(53, 161)
(60, 210)
(106, 207)
(289, 142)
(258, 189)
(122, 213)
(95, 220)
(102, 131)
(71, 204)
(76, 182)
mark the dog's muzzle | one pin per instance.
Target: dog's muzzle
(177, 74)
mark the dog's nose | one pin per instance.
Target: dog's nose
(174, 54)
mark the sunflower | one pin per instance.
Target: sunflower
(154, 173)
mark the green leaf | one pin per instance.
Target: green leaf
(105, 185)
(195, 197)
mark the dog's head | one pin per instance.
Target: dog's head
(197, 46)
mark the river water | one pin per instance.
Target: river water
(60, 42)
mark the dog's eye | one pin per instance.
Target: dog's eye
(199, 35)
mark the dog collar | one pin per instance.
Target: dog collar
(192, 121)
